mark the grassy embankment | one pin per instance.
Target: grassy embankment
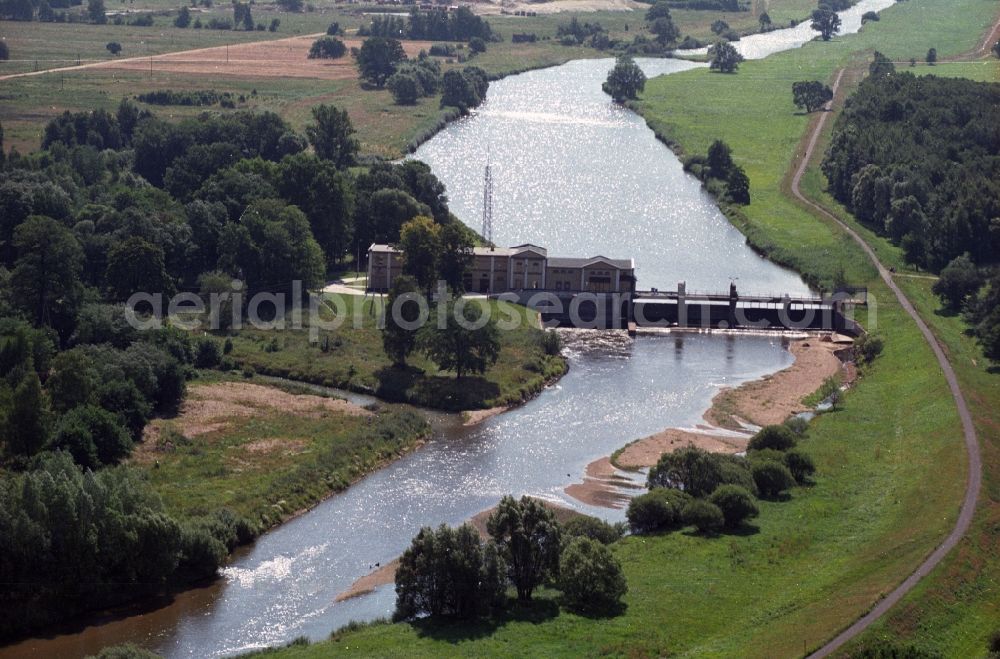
(383, 128)
(891, 455)
(351, 357)
(266, 452)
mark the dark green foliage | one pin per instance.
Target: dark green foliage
(136, 266)
(826, 22)
(959, 280)
(800, 464)
(25, 428)
(207, 353)
(437, 25)
(811, 95)
(125, 651)
(590, 577)
(333, 29)
(585, 526)
(332, 135)
(738, 186)
(697, 472)
(881, 66)
(625, 80)
(93, 436)
(399, 336)
(463, 342)
(464, 89)
(183, 17)
(404, 87)
(46, 277)
(377, 59)
(736, 503)
(889, 648)
(659, 509)
(867, 347)
(528, 538)
(704, 516)
(449, 573)
(772, 478)
(327, 48)
(477, 45)
(983, 314)
(4, 56)
(723, 57)
(72, 541)
(779, 438)
(931, 56)
(114, 47)
(95, 10)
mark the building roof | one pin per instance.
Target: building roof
(577, 262)
(553, 261)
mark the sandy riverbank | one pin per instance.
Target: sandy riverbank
(766, 401)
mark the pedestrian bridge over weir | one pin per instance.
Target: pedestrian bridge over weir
(699, 310)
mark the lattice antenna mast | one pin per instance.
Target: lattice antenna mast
(488, 204)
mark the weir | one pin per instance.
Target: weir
(701, 310)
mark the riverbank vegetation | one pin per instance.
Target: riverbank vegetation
(890, 454)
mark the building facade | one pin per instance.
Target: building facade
(523, 267)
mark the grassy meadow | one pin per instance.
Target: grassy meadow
(263, 462)
(351, 357)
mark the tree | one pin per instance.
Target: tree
(777, 437)
(800, 464)
(528, 538)
(93, 436)
(724, 57)
(704, 516)
(136, 265)
(585, 526)
(665, 30)
(719, 26)
(467, 344)
(625, 80)
(826, 22)
(931, 56)
(720, 159)
(811, 95)
(292, 5)
(274, 24)
(958, 281)
(464, 89)
(95, 11)
(996, 48)
(590, 577)
(327, 48)
(737, 505)
(399, 335)
(404, 87)
(448, 572)
(660, 9)
(377, 59)
(456, 256)
(881, 66)
(870, 16)
(765, 22)
(114, 47)
(772, 478)
(183, 17)
(332, 135)
(333, 29)
(46, 274)
(477, 45)
(4, 56)
(738, 186)
(657, 510)
(420, 242)
(25, 430)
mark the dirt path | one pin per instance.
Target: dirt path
(974, 482)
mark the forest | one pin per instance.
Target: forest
(116, 203)
(917, 158)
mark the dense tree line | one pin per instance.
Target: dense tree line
(434, 25)
(714, 492)
(454, 573)
(918, 160)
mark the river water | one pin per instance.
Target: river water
(583, 177)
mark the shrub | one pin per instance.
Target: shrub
(657, 510)
(797, 425)
(590, 577)
(585, 526)
(477, 45)
(704, 516)
(800, 464)
(207, 353)
(867, 347)
(779, 438)
(404, 88)
(772, 478)
(93, 436)
(125, 651)
(327, 48)
(698, 472)
(736, 503)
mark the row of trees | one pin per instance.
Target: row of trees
(714, 492)
(434, 25)
(720, 174)
(915, 159)
(453, 573)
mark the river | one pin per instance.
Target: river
(581, 176)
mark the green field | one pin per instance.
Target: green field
(352, 358)
(891, 464)
(267, 465)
